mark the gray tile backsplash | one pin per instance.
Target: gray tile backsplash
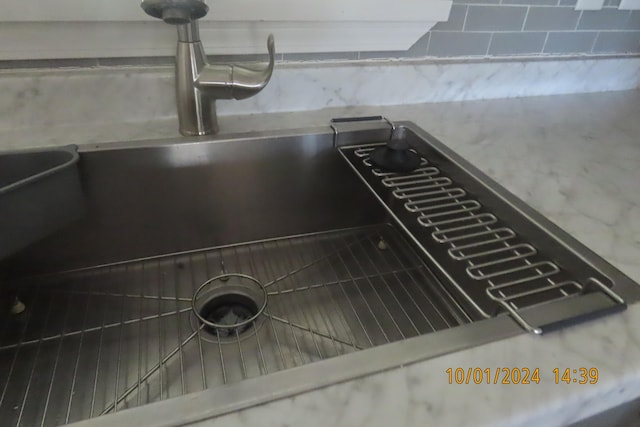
(634, 21)
(48, 63)
(516, 43)
(449, 43)
(605, 19)
(477, 28)
(532, 2)
(551, 19)
(570, 42)
(495, 18)
(456, 19)
(116, 62)
(418, 49)
(615, 41)
(477, 1)
(322, 56)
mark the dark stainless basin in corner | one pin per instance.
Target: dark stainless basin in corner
(361, 273)
(40, 193)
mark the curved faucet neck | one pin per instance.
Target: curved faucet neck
(199, 85)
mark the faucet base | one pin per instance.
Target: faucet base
(196, 109)
(198, 118)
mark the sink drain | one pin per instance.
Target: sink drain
(227, 306)
(229, 310)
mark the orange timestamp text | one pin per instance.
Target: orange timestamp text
(520, 375)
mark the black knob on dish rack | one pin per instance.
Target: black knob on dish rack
(396, 156)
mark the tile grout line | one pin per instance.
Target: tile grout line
(489, 45)
(626, 23)
(544, 45)
(595, 40)
(578, 21)
(526, 16)
(426, 52)
(464, 22)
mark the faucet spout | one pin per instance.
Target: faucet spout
(247, 82)
(234, 81)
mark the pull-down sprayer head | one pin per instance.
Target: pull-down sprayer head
(176, 12)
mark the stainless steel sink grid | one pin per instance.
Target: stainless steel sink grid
(114, 337)
(363, 272)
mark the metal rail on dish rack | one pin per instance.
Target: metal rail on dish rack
(337, 121)
(512, 271)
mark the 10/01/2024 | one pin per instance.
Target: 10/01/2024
(523, 376)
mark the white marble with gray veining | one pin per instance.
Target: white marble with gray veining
(575, 158)
(35, 101)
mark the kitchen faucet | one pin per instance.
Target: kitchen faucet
(199, 84)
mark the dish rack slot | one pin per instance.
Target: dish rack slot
(514, 274)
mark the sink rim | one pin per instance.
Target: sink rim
(229, 398)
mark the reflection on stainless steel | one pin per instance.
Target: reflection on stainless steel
(40, 192)
(199, 84)
(133, 338)
(497, 259)
(363, 272)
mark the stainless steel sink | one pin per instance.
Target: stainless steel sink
(355, 280)
(39, 193)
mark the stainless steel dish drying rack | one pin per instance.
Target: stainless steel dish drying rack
(489, 259)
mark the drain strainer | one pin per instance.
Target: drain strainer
(227, 306)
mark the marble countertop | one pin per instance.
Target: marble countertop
(576, 159)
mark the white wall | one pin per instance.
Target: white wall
(109, 28)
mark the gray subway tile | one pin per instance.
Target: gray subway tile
(456, 19)
(568, 2)
(383, 54)
(614, 3)
(617, 42)
(140, 61)
(551, 18)
(634, 21)
(570, 42)
(321, 56)
(495, 18)
(476, 1)
(256, 57)
(445, 43)
(48, 63)
(418, 49)
(532, 2)
(605, 19)
(516, 43)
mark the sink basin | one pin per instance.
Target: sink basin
(40, 192)
(354, 280)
